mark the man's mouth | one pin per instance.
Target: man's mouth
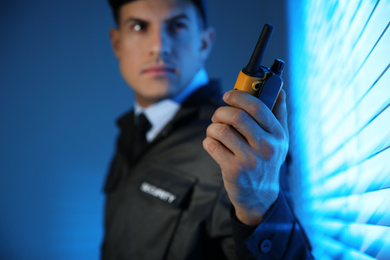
(158, 71)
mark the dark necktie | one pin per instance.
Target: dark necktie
(142, 126)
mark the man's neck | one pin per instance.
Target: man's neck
(200, 79)
(160, 113)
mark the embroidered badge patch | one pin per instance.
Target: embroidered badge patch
(157, 192)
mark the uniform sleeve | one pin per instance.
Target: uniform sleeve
(278, 236)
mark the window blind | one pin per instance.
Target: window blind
(340, 125)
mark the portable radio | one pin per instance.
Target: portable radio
(259, 81)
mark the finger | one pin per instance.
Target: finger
(280, 110)
(228, 137)
(217, 151)
(254, 107)
(242, 122)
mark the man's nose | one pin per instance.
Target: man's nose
(160, 43)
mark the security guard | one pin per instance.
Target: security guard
(191, 178)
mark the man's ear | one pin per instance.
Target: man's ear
(115, 41)
(207, 40)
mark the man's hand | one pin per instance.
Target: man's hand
(249, 143)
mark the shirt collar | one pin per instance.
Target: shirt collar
(161, 113)
(200, 79)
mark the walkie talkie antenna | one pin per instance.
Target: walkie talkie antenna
(254, 63)
(260, 81)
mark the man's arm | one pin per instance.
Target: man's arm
(250, 143)
(278, 236)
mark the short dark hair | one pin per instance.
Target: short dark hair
(117, 4)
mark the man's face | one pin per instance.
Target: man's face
(160, 45)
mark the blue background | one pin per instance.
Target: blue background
(60, 93)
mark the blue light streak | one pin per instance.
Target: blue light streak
(340, 137)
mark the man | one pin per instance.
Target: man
(167, 198)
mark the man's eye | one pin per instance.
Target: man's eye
(177, 27)
(139, 27)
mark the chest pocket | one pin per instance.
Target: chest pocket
(167, 187)
(146, 210)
